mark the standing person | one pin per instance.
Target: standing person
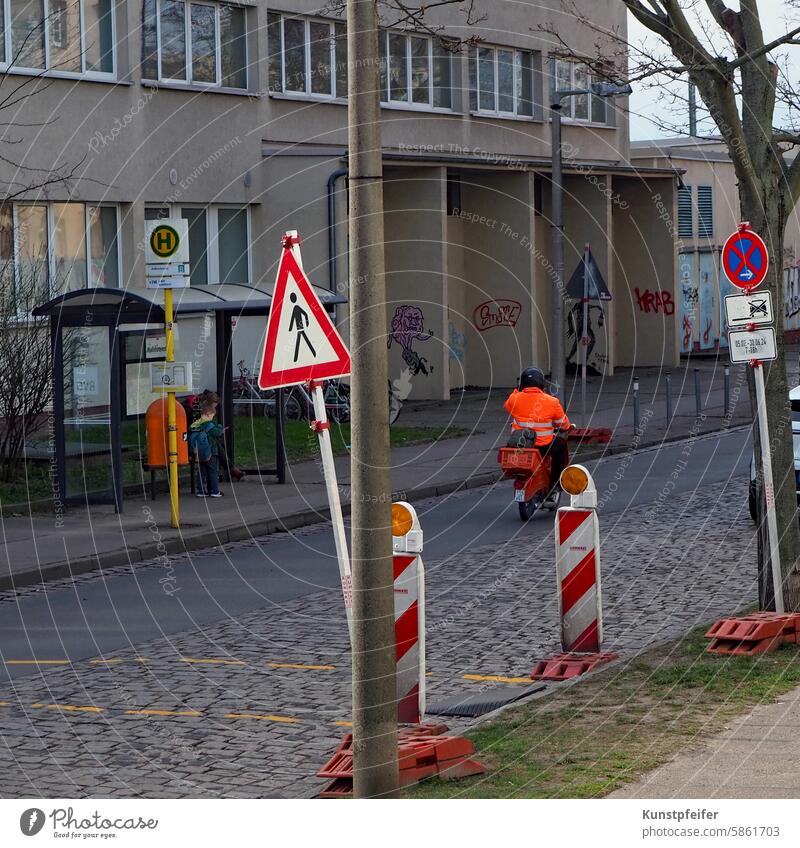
(194, 404)
(204, 442)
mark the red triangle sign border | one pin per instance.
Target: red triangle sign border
(268, 378)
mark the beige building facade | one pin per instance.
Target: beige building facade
(234, 116)
(708, 212)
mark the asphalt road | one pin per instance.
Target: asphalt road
(102, 614)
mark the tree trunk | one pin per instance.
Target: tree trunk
(766, 217)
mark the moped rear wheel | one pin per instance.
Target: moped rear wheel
(528, 508)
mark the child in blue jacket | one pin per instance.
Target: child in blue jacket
(204, 438)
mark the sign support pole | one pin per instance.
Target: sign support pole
(322, 427)
(172, 425)
(769, 486)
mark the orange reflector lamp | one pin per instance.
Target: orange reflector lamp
(402, 520)
(574, 480)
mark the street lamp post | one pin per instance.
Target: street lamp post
(557, 364)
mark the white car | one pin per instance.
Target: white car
(794, 397)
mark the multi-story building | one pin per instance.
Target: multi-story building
(234, 116)
(708, 212)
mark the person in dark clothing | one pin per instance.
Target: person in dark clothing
(204, 438)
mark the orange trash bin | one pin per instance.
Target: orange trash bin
(157, 444)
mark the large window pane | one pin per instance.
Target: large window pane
(599, 109)
(294, 52)
(69, 246)
(505, 81)
(104, 265)
(320, 57)
(232, 245)
(275, 51)
(149, 40)
(486, 78)
(383, 64)
(173, 39)
(524, 77)
(398, 68)
(564, 82)
(441, 77)
(32, 272)
(27, 33)
(420, 71)
(65, 35)
(233, 40)
(99, 35)
(581, 101)
(341, 60)
(198, 245)
(7, 304)
(204, 43)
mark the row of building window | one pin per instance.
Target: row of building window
(47, 248)
(205, 43)
(705, 212)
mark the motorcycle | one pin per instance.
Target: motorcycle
(530, 472)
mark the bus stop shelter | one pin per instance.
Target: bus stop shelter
(92, 332)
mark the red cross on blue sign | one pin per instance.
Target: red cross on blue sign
(745, 258)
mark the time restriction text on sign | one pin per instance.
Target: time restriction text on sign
(759, 344)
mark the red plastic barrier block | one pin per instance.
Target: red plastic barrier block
(339, 765)
(567, 666)
(736, 647)
(747, 629)
(460, 767)
(339, 788)
(428, 729)
(599, 435)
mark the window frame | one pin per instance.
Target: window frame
(7, 66)
(341, 97)
(704, 232)
(212, 235)
(518, 66)
(189, 82)
(50, 260)
(690, 232)
(568, 104)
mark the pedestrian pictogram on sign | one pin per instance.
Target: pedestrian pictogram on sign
(302, 343)
(745, 258)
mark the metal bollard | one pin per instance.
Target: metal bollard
(668, 394)
(636, 406)
(727, 392)
(698, 405)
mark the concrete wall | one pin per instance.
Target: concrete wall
(645, 306)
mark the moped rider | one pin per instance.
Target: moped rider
(538, 418)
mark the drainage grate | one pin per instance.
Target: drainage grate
(471, 706)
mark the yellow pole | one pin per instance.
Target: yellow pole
(172, 424)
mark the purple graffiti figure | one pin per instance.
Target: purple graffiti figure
(407, 325)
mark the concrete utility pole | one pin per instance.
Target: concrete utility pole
(375, 770)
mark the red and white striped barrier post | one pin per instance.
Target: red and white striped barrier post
(577, 535)
(409, 613)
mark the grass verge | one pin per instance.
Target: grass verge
(590, 738)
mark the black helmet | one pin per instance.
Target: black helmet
(531, 377)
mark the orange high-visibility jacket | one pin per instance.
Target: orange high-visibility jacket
(533, 409)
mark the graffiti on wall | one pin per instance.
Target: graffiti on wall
(596, 352)
(458, 343)
(726, 287)
(408, 326)
(650, 301)
(706, 302)
(690, 297)
(791, 296)
(496, 313)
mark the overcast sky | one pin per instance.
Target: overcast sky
(648, 110)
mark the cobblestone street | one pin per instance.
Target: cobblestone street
(253, 705)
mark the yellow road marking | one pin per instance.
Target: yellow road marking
(68, 708)
(37, 662)
(284, 719)
(300, 665)
(192, 713)
(212, 662)
(5, 703)
(343, 723)
(496, 678)
(109, 661)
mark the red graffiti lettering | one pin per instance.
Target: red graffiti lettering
(707, 331)
(654, 301)
(496, 313)
(687, 332)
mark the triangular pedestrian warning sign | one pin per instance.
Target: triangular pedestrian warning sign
(301, 342)
(596, 285)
